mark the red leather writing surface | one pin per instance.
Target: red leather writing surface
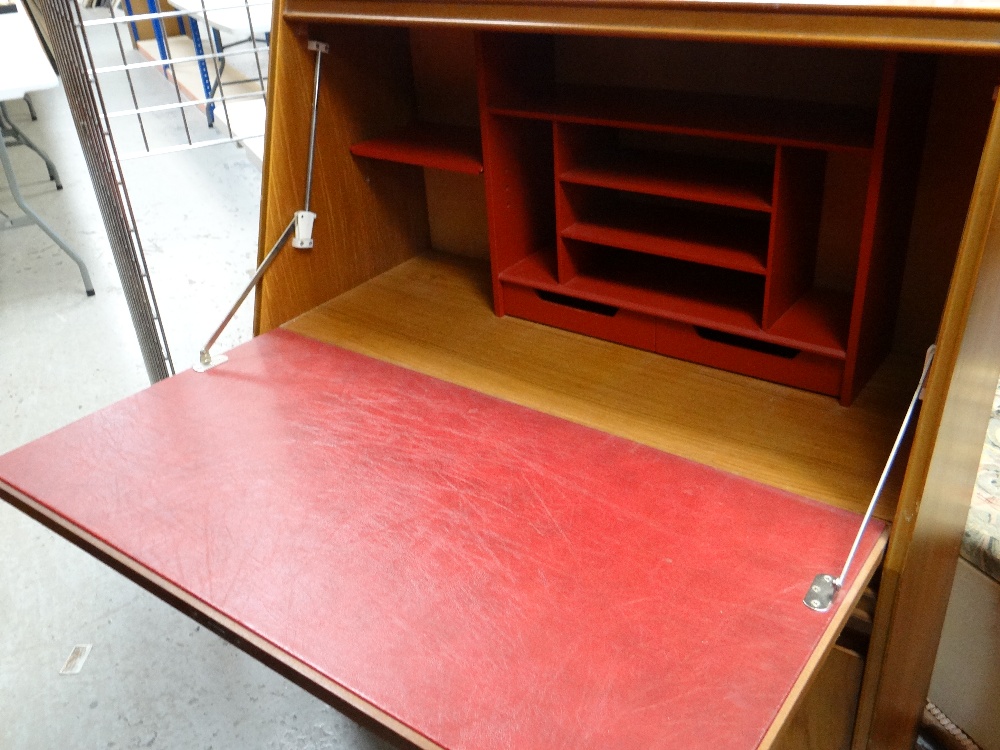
(491, 576)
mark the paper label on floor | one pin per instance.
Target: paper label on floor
(76, 659)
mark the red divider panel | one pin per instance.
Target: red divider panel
(491, 576)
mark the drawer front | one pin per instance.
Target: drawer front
(600, 321)
(736, 354)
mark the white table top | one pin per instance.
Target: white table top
(24, 66)
(246, 117)
(230, 15)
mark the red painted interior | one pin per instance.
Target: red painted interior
(447, 147)
(677, 232)
(576, 208)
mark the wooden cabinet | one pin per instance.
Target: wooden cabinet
(782, 200)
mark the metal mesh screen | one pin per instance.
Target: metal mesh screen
(64, 24)
(214, 54)
(195, 76)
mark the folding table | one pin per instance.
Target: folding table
(24, 68)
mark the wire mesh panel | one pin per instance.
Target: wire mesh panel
(69, 46)
(172, 78)
(213, 53)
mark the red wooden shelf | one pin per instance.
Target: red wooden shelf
(729, 242)
(636, 285)
(821, 319)
(805, 124)
(448, 147)
(723, 182)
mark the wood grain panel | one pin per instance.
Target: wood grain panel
(825, 718)
(959, 119)
(902, 26)
(444, 75)
(456, 210)
(885, 234)
(798, 191)
(937, 489)
(433, 314)
(370, 215)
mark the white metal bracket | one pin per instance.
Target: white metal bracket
(303, 238)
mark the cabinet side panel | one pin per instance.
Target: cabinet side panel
(517, 154)
(370, 215)
(824, 719)
(941, 473)
(798, 189)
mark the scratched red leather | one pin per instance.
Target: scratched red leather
(491, 576)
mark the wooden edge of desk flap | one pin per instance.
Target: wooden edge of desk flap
(925, 29)
(158, 585)
(849, 600)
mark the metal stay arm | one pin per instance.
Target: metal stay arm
(824, 587)
(300, 226)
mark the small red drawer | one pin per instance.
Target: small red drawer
(792, 367)
(561, 311)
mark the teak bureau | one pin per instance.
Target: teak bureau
(692, 253)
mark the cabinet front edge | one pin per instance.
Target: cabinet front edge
(762, 25)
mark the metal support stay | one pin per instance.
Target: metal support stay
(299, 229)
(824, 587)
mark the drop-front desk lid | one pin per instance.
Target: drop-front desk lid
(472, 573)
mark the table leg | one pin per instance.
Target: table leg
(8, 128)
(206, 83)
(36, 219)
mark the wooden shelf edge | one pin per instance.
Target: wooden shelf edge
(728, 118)
(824, 313)
(533, 273)
(848, 600)
(665, 185)
(704, 253)
(448, 147)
